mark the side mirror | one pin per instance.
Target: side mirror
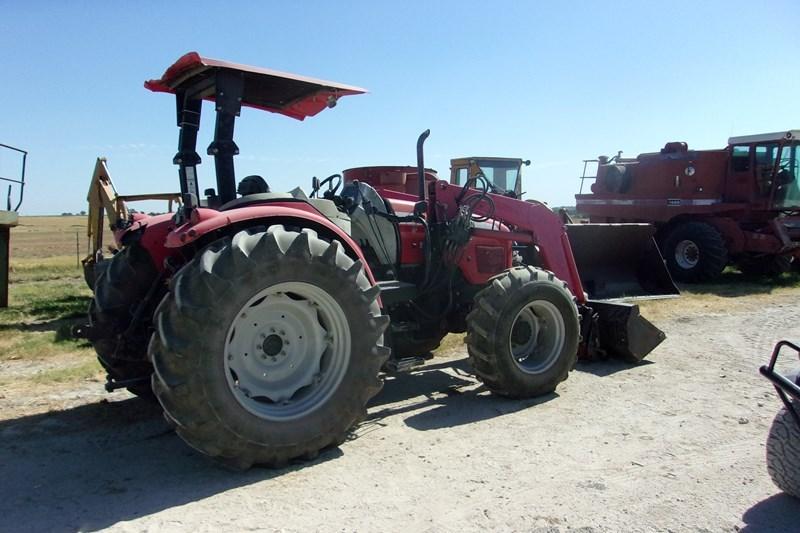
(420, 208)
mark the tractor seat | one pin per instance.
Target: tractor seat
(361, 193)
(373, 232)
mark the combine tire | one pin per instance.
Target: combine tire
(121, 283)
(770, 265)
(268, 347)
(523, 333)
(695, 252)
(783, 453)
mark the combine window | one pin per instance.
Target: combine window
(787, 192)
(741, 158)
(765, 165)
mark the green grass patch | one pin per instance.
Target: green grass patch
(37, 324)
(44, 269)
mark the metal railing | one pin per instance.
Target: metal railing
(20, 181)
(584, 177)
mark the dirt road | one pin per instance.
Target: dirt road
(676, 444)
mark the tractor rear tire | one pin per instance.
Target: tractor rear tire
(695, 252)
(233, 371)
(121, 283)
(523, 333)
(783, 453)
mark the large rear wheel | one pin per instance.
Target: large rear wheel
(523, 333)
(121, 284)
(268, 347)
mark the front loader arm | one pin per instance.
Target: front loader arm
(531, 223)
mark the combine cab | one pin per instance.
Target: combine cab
(263, 320)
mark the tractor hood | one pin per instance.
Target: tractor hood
(270, 90)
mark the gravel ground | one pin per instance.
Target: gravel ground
(676, 444)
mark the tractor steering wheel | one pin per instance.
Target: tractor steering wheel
(317, 185)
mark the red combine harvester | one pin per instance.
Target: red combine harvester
(739, 204)
(263, 320)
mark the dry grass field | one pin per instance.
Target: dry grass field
(47, 297)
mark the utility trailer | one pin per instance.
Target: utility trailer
(9, 217)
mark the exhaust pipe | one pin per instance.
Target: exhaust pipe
(421, 165)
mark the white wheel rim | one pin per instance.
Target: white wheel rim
(537, 337)
(287, 351)
(687, 254)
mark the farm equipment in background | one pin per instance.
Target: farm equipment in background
(268, 317)
(783, 442)
(503, 174)
(615, 260)
(8, 219)
(740, 204)
(106, 206)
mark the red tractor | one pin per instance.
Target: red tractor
(738, 205)
(263, 320)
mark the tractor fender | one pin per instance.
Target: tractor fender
(204, 222)
(150, 232)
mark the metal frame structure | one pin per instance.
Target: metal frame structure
(7, 222)
(784, 386)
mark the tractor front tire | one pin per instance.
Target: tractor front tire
(121, 283)
(783, 453)
(523, 333)
(695, 252)
(268, 347)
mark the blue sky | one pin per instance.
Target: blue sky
(553, 82)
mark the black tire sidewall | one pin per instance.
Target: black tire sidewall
(700, 234)
(546, 381)
(341, 409)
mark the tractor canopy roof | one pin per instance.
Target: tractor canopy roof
(270, 90)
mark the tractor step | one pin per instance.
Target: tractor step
(114, 384)
(405, 364)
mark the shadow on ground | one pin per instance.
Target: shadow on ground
(731, 284)
(779, 512)
(440, 398)
(100, 464)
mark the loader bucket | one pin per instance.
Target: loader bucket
(622, 332)
(619, 261)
